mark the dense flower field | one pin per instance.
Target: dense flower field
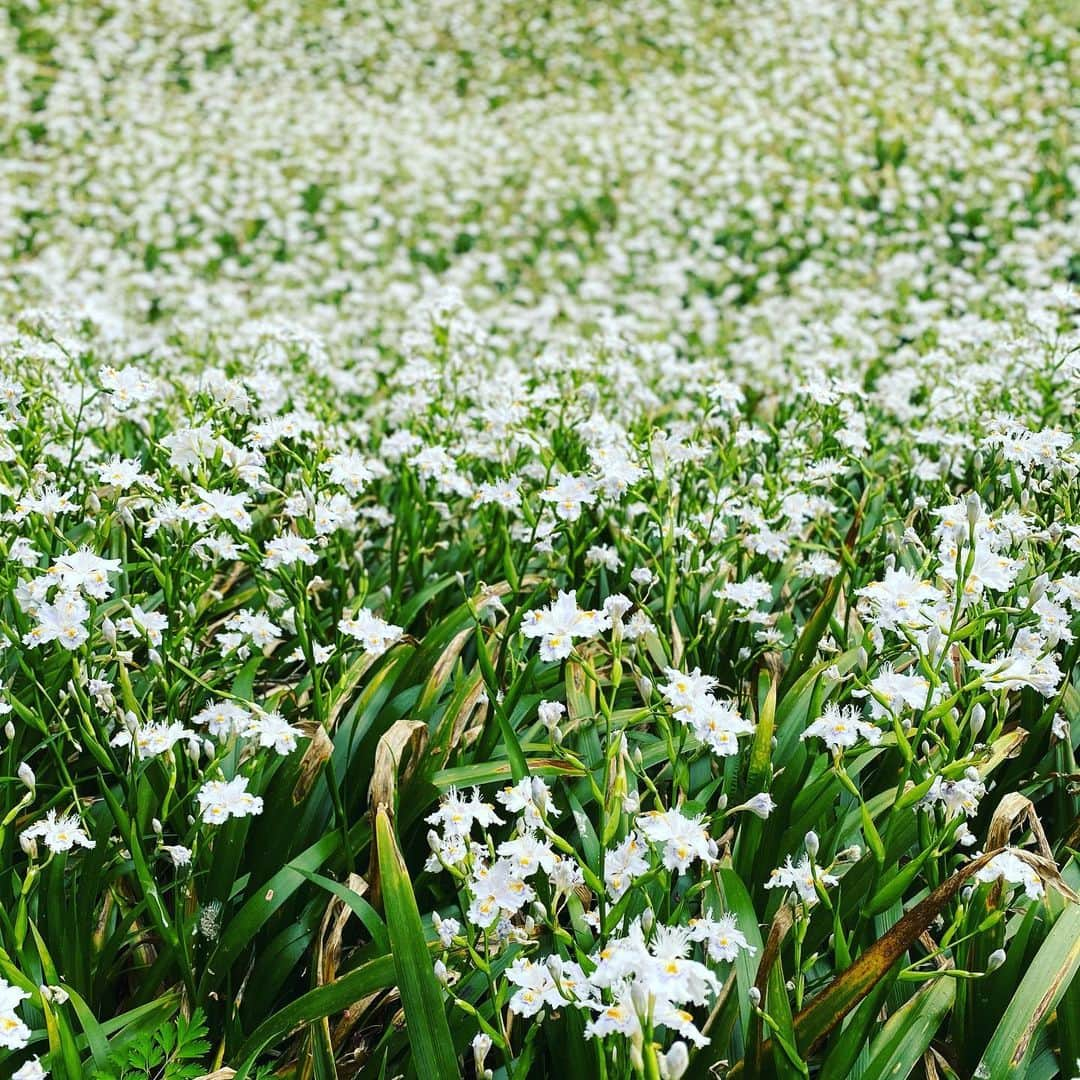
(540, 539)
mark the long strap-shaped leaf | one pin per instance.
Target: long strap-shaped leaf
(1044, 984)
(326, 1000)
(429, 1033)
(903, 1040)
(846, 991)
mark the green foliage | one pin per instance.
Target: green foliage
(174, 1050)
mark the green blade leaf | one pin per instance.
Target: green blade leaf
(903, 1040)
(421, 997)
(1042, 987)
(315, 1004)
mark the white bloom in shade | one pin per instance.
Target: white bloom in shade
(288, 549)
(957, 796)
(841, 728)
(31, 1070)
(901, 599)
(530, 797)
(14, 1034)
(549, 713)
(501, 889)
(59, 833)
(535, 985)
(153, 739)
(1023, 666)
(223, 718)
(682, 690)
(528, 854)
(964, 835)
(376, 635)
(890, 693)
(746, 594)
(684, 839)
(149, 623)
(717, 724)
(623, 864)
(669, 1015)
(220, 800)
(456, 814)
(447, 929)
(569, 495)
(616, 1018)
(350, 470)
(84, 570)
(1008, 866)
(670, 975)
(801, 878)
(272, 730)
(722, 937)
(180, 855)
(561, 622)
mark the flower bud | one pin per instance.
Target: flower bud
(441, 972)
(648, 921)
(754, 994)
(26, 775)
(481, 1046)
(28, 845)
(761, 804)
(108, 631)
(9, 730)
(639, 997)
(995, 960)
(978, 718)
(973, 504)
(812, 844)
(675, 1062)
(1038, 589)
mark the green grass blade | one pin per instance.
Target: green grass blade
(903, 1040)
(421, 997)
(1041, 989)
(315, 1004)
